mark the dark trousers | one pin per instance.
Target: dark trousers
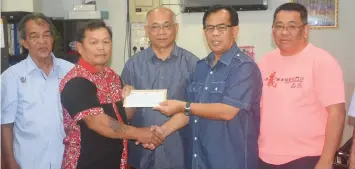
(301, 163)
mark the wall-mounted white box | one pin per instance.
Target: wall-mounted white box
(84, 7)
(88, 15)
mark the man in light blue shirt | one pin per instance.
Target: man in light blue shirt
(31, 113)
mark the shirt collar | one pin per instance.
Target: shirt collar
(87, 66)
(226, 58)
(31, 65)
(151, 53)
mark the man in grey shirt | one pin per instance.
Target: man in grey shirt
(163, 65)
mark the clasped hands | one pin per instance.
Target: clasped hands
(159, 133)
(151, 137)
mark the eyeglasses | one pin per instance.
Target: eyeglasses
(36, 38)
(157, 27)
(287, 27)
(220, 27)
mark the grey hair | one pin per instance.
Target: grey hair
(160, 7)
(33, 17)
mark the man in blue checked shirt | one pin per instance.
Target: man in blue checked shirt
(32, 128)
(223, 100)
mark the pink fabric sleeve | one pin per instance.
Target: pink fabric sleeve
(328, 79)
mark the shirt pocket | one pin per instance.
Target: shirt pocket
(217, 87)
(215, 90)
(31, 117)
(195, 87)
(193, 91)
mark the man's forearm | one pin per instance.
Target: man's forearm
(122, 131)
(109, 127)
(133, 133)
(214, 111)
(175, 123)
(7, 143)
(130, 111)
(333, 134)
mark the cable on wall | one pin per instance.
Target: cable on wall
(128, 35)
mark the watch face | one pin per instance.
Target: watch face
(187, 106)
(187, 113)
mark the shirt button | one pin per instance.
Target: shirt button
(162, 77)
(211, 72)
(206, 88)
(216, 89)
(238, 54)
(195, 138)
(195, 155)
(195, 121)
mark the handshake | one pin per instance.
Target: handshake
(151, 137)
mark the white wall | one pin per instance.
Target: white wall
(117, 19)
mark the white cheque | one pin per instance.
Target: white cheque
(145, 98)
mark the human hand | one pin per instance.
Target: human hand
(126, 91)
(159, 131)
(170, 107)
(149, 138)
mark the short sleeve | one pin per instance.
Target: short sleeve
(9, 96)
(243, 86)
(352, 106)
(79, 98)
(328, 80)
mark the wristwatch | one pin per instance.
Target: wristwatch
(187, 109)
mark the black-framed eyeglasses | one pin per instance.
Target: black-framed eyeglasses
(219, 27)
(287, 27)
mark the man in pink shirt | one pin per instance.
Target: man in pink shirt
(302, 112)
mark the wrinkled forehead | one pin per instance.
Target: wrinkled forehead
(41, 22)
(160, 17)
(38, 22)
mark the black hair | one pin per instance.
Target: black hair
(92, 25)
(234, 20)
(33, 17)
(293, 7)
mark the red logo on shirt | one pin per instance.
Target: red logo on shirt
(294, 82)
(271, 81)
